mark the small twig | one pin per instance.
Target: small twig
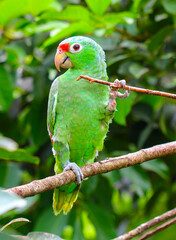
(49, 183)
(135, 89)
(130, 36)
(161, 227)
(143, 227)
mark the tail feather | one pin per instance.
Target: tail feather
(64, 201)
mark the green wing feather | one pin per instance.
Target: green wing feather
(51, 116)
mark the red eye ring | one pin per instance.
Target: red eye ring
(76, 47)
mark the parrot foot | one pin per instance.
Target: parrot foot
(77, 171)
(116, 94)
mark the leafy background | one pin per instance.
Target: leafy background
(139, 39)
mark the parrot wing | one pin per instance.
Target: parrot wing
(51, 116)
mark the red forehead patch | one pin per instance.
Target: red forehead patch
(64, 47)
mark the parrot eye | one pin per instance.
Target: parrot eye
(76, 48)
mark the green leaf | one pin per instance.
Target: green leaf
(137, 70)
(158, 167)
(170, 6)
(36, 6)
(9, 201)
(7, 13)
(167, 121)
(98, 6)
(145, 135)
(11, 174)
(5, 89)
(102, 220)
(11, 10)
(38, 122)
(42, 235)
(30, 202)
(158, 39)
(4, 236)
(117, 18)
(153, 101)
(53, 224)
(15, 55)
(123, 108)
(34, 28)
(88, 228)
(138, 178)
(15, 223)
(74, 13)
(78, 235)
(72, 29)
(19, 155)
(8, 144)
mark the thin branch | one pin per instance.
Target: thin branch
(161, 227)
(143, 227)
(39, 186)
(135, 89)
(130, 36)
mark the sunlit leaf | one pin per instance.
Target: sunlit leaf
(11, 9)
(74, 28)
(38, 28)
(9, 201)
(121, 17)
(88, 227)
(98, 6)
(15, 223)
(8, 143)
(19, 155)
(74, 13)
(37, 6)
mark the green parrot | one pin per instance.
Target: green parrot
(79, 113)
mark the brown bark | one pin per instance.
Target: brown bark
(143, 227)
(160, 228)
(49, 183)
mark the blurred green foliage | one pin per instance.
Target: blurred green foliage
(139, 39)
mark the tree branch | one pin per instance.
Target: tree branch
(130, 36)
(135, 89)
(39, 186)
(161, 227)
(143, 227)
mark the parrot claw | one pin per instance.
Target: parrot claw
(114, 94)
(123, 83)
(120, 82)
(77, 171)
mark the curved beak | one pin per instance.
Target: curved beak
(62, 60)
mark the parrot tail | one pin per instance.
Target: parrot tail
(63, 200)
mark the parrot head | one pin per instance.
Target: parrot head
(79, 52)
